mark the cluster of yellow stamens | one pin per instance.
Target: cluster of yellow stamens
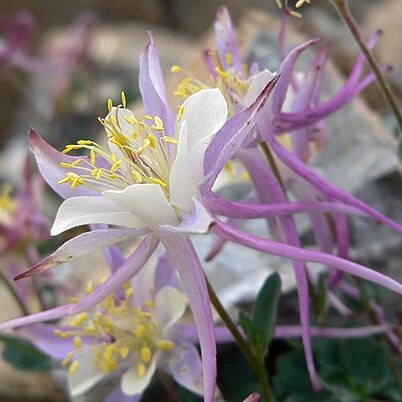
(298, 4)
(138, 153)
(228, 80)
(7, 204)
(120, 330)
(188, 86)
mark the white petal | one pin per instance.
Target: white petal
(170, 307)
(87, 374)
(182, 179)
(198, 221)
(146, 202)
(132, 384)
(84, 210)
(258, 83)
(205, 113)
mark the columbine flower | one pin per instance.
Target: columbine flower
(132, 332)
(293, 112)
(297, 113)
(147, 181)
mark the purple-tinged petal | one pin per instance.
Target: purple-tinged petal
(221, 206)
(80, 245)
(153, 89)
(86, 210)
(285, 74)
(319, 183)
(165, 275)
(218, 243)
(49, 160)
(131, 266)
(270, 190)
(114, 257)
(184, 364)
(183, 256)
(223, 335)
(254, 397)
(119, 396)
(229, 138)
(209, 62)
(301, 254)
(44, 338)
(283, 28)
(330, 332)
(227, 43)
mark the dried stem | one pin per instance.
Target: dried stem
(13, 293)
(342, 8)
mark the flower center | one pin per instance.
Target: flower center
(122, 333)
(229, 81)
(138, 153)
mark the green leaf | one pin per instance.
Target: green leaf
(23, 355)
(249, 329)
(265, 307)
(236, 379)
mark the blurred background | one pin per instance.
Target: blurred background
(98, 41)
(61, 60)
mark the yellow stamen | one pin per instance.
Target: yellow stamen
(67, 360)
(123, 99)
(153, 140)
(124, 352)
(140, 331)
(129, 293)
(165, 345)
(170, 140)
(141, 370)
(181, 112)
(62, 334)
(176, 69)
(74, 367)
(145, 354)
(77, 342)
(229, 58)
(79, 320)
(158, 181)
(89, 287)
(158, 121)
(109, 105)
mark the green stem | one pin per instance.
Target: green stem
(14, 293)
(342, 8)
(31, 262)
(255, 361)
(270, 158)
